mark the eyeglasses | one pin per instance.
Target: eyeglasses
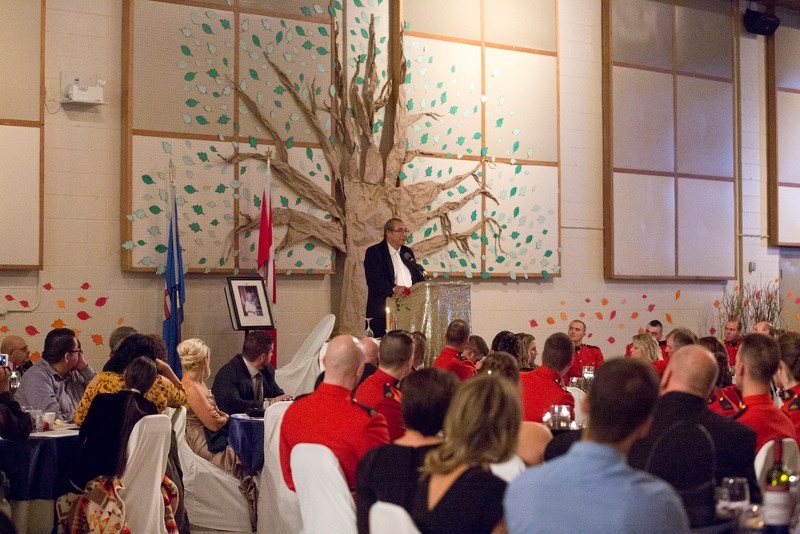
(76, 351)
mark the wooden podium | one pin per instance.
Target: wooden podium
(431, 306)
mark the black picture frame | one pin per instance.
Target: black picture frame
(248, 303)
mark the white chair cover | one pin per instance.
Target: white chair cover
(764, 460)
(211, 495)
(325, 501)
(508, 470)
(148, 447)
(388, 518)
(279, 509)
(298, 376)
(578, 395)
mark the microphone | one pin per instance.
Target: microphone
(409, 259)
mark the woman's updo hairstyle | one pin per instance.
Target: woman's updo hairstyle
(193, 353)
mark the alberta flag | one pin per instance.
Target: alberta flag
(173, 288)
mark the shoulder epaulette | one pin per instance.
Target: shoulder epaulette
(786, 394)
(369, 409)
(388, 391)
(795, 404)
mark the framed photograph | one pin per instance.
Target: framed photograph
(248, 303)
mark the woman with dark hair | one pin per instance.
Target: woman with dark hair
(715, 346)
(107, 427)
(390, 473)
(458, 492)
(505, 341)
(533, 437)
(788, 377)
(166, 391)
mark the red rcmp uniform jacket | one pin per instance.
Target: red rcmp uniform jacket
(732, 348)
(450, 360)
(541, 389)
(329, 416)
(379, 391)
(769, 422)
(791, 407)
(584, 355)
(726, 401)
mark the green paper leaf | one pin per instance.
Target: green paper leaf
(198, 209)
(256, 41)
(190, 189)
(161, 248)
(189, 76)
(321, 50)
(253, 74)
(195, 227)
(309, 246)
(207, 29)
(185, 50)
(155, 210)
(201, 120)
(148, 179)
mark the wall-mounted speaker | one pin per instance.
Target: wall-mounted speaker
(760, 23)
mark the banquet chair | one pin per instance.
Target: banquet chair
(388, 518)
(148, 447)
(279, 510)
(508, 470)
(211, 495)
(764, 459)
(298, 376)
(578, 394)
(326, 504)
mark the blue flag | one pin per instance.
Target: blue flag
(173, 289)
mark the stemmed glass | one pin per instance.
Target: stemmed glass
(733, 497)
(368, 332)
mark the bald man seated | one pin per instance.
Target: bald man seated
(18, 353)
(329, 416)
(680, 410)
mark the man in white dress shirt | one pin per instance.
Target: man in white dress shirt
(391, 270)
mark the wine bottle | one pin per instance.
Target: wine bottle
(777, 498)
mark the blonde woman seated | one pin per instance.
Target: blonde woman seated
(206, 425)
(458, 492)
(533, 437)
(644, 347)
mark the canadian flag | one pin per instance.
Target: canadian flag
(266, 253)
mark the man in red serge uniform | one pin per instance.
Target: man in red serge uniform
(755, 367)
(584, 354)
(329, 416)
(733, 337)
(379, 390)
(541, 388)
(451, 359)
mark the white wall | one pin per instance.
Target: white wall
(82, 207)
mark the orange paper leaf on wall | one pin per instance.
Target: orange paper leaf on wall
(85, 285)
(604, 301)
(789, 295)
(634, 315)
(24, 304)
(58, 323)
(563, 302)
(623, 301)
(533, 323)
(81, 299)
(717, 304)
(31, 330)
(678, 295)
(97, 338)
(60, 303)
(101, 301)
(551, 321)
(120, 321)
(668, 317)
(82, 315)
(563, 316)
(599, 315)
(3, 329)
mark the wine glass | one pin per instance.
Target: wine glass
(368, 332)
(733, 497)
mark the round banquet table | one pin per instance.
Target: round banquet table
(246, 437)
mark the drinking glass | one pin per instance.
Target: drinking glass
(733, 497)
(588, 372)
(368, 332)
(38, 419)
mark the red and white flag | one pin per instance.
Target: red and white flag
(266, 252)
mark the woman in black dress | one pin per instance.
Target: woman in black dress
(458, 492)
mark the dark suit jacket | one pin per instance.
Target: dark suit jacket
(233, 387)
(379, 271)
(101, 433)
(734, 442)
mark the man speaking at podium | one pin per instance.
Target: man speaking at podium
(391, 270)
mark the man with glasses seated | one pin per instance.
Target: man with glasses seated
(18, 353)
(55, 383)
(391, 270)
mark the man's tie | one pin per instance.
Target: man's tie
(258, 387)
